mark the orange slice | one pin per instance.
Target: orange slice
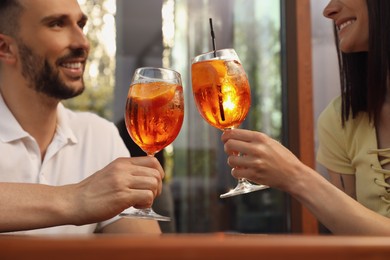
(153, 93)
(208, 73)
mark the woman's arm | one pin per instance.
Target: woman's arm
(338, 212)
(344, 182)
(268, 162)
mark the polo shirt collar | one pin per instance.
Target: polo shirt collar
(63, 125)
(10, 129)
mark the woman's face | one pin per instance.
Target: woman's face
(351, 20)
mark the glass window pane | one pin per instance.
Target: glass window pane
(200, 170)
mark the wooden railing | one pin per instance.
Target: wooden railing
(199, 247)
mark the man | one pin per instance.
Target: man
(60, 171)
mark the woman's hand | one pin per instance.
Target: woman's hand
(262, 159)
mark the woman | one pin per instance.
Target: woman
(354, 132)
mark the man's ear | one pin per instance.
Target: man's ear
(7, 48)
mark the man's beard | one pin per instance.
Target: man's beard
(43, 77)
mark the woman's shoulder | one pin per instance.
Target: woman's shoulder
(332, 113)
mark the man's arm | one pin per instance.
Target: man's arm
(30, 206)
(123, 183)
(133, 225)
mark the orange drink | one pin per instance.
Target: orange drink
(154, 114)
(221, 92)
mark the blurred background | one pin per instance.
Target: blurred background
(127, 34)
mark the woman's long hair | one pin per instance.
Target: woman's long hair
(364, 75)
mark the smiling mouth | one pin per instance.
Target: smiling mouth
(73, 70)
(345, 24)
(74, 65)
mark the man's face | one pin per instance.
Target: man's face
(52, 47)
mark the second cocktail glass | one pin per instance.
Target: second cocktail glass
(222, 95)
(154, 116)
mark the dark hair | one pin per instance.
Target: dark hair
(9, 13)
(364, 75)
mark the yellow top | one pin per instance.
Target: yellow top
(353, 150)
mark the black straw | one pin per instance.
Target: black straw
(220, 101)
(213, 37)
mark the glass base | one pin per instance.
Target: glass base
(143, 214)
(243, 187)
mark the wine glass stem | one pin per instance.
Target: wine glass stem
(241, 180)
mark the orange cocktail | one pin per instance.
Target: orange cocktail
(221, 91)
(154, 114)
(222, 94)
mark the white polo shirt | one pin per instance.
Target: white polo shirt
(83, 144)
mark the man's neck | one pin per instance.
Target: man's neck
(35, 112)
